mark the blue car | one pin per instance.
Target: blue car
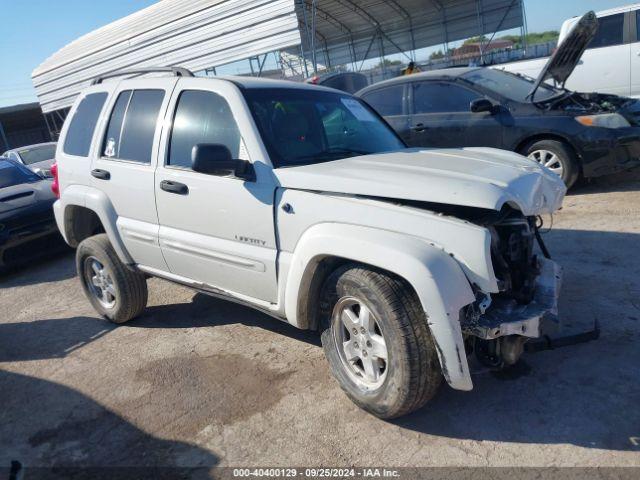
(27, 225)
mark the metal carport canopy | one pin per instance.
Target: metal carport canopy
(200, 34)
(348, 31)
(195, 34)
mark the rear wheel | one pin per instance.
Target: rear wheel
(557, 157)
(116, 292)
(377, 341)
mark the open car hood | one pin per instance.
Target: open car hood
(473, 177)
(566, 57)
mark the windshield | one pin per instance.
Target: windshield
(511, 86)
(37, 154)
(12, 173)
(302, 126)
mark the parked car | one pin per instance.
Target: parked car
(349, 82)
(301, 202)
(571, 133)
(27, 225)
(611, 62)
(37, 158)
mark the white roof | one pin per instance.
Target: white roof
(200, 34)
(195, 34)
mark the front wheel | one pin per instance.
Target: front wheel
(377, 341)
(116, 292)
(557, 157)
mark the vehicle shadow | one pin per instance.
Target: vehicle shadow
(53, 267)
(55, 432)
(51, 338)
(627, 181)
(585, 394)
(207, 311)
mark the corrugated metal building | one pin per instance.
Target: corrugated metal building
(203, 34)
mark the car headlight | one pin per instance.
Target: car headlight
(605, 120)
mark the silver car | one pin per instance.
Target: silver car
(37, 158)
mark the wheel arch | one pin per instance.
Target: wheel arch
(435, 277)
(523, 143)
(84, 211)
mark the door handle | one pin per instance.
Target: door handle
(101, 174)
(174, 187)
(419, 127)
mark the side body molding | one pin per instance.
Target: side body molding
(93, 199)
(437, 279)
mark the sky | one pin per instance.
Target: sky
(34, 29)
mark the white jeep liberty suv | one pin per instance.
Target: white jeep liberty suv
(301, 202)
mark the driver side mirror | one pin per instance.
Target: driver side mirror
(215, 159)
(480, 105)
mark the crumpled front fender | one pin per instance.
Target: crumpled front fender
(435, 276)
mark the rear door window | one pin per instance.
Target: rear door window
(83, 123)
(610, 31)
(386, 101)
(132, 125)
(436, 97)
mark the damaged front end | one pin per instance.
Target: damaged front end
(496, 327)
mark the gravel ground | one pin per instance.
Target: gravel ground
(199, 381)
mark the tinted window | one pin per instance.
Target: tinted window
(14, 174)
(134, 140)
(37, 154)
(387, 101)
(80, 132)
(610, 31)
(302, 126)
(201, 117)
(111, 142)
(429, 97)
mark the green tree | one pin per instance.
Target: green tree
(533, 38)
(436, 55)
(388, 63)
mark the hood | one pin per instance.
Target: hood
(566, 57)
(473, 177)
(25, 195)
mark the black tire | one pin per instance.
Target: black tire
(413, 372)
(564, 153)
(130, 286)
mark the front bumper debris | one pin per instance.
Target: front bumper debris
(539, 317)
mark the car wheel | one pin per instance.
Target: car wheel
(557, 157)
(377, 341)
(115, 291)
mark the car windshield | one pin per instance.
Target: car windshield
(509, 85)
(303, 126)
(37, 154)
(12, 173)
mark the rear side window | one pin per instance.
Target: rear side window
(431, 97)
(132, 125)
(610, 31)
(201, 117)
(386, 101)
(83, 123)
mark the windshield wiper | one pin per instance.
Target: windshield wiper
(333, 152)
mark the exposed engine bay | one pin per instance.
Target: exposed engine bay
(594, 103)
(497, 327)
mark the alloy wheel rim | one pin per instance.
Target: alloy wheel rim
(360, 342)
(99, 282)
(548, 159)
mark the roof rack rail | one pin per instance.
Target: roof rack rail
(176, 71)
